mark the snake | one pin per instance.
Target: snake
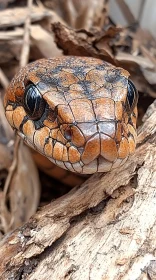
(79, 112)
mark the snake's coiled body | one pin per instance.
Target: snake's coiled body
(78, 112)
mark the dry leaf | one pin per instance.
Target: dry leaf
(79, 43)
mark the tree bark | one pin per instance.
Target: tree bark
(103, 229)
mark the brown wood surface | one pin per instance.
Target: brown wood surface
(104, 229)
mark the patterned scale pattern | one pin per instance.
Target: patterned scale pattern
(86, 126)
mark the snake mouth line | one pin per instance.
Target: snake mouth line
(99, 164)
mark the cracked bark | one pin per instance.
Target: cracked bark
(104, 229)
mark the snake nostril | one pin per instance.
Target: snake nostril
(68, 134)
(73, 134)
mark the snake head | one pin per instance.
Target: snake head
(79, 112)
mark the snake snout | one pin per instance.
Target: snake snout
(93, 141)
(99, 146)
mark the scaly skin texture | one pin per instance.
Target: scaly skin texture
(86, 126)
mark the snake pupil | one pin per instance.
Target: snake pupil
(131, 94)
(34, 104)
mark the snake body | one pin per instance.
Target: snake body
(79, 112)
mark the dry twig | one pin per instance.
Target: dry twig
(3, 79)
(26, 39)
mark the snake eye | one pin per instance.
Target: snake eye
(131, 95)
(34, 104)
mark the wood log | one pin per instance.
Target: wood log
(103, 229)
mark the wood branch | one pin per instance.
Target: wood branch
(104, 229)
(16, 17)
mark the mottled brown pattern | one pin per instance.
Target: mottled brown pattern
(86, 126)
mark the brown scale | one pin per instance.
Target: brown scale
(82, 121)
